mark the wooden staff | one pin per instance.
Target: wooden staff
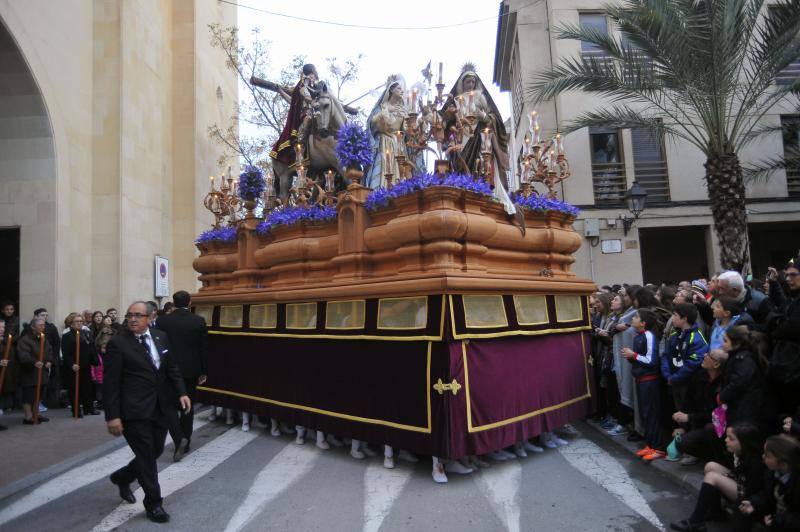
(6, 352)
(39, 380)
(77, 373)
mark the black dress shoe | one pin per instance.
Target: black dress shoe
(686, 526)
(157, 514)
(43, 419)
(28, 422)
(3, 427)
(125, 492)
(180, 450)
(93, 413)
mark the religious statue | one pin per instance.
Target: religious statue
(469, 101)
(300, 114)
(385, 122)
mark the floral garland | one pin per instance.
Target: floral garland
(292, 215)
(221, 234)
(251, 183)
(381, 197)
(353, 145)
(545, 204)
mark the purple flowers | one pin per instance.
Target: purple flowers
(251, 183)
(380, 197)
(353, 145)
(292, 215)
(544, 204)
(222, 234)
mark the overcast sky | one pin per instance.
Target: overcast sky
(386, 51)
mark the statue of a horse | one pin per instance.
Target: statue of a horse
(321, 146)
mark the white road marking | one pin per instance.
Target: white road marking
(72, 480)
(285, 468)
(381, 488)
(604, 470)
(501, 483)
(194, 466)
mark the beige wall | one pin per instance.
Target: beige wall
(537, 53)
(129, 90)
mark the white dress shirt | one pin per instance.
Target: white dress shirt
(151, 347)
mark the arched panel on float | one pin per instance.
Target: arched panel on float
(28, 196)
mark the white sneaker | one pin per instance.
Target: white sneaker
(454, 466)
(520, 451)
(245, 427)
(618, 430)
(321, 443)
(229, 418)
(42, 408)
(438, 474)
(388, 462)
(528, 446)
(367, 451)
(497, 456)
(546, 439)
(407, 456)
(299, 439)
(508, 455)
(275, 431)
(333, 440)
(558, 441)
(358, 455)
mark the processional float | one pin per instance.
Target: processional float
(420, 314)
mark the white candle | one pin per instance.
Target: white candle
(440, 73)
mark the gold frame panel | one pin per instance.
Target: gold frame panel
(517, 307)
(363, 314)
(224, 318)
(206, 312)
(466, 297)
(298, 305)
(265, 306)
(581, 313)
(425, 326)
(471, 428)
(349, 417)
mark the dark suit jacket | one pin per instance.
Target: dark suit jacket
(132, 386)
(188, 338)
(88, 355)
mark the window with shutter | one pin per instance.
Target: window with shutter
(791, 143)
(650, 164)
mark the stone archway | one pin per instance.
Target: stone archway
(27, 177)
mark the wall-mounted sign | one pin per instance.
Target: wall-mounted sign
(162, 277)
(611, 246)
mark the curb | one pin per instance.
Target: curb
(690, 477)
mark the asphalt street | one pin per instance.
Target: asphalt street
(252, 481)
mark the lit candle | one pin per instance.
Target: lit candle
(470, 96)
(551, 163)
(485, 139)
(388, 162)
(211, 178)
(299, 152)
(526, 166)
(440, 73)
(559, 144)
(414, 100)
(398, 146)
(329, 181)
(536, 138)
(533, 120)
(527, 149)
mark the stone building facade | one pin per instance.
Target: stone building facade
(673, 239)
(104, 150)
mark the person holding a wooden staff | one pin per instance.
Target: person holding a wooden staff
(8, 366)
(79, 357)
(35, 357)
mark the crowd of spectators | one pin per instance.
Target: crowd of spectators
(709, 371)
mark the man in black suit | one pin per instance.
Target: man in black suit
(188, 338)
(140, 381)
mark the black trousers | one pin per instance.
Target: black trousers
(649, 399)
(146, 440)
(85, 390)
(704, 444)
(181, 426)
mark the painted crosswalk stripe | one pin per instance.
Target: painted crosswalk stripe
(194, 466)
(381, 488)
(501, 484)
(604, 470)
(72, 480)
(285, 468)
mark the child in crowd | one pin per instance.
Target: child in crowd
(644, 358)
(685, 351)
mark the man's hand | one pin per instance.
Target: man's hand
(115, 427)
(628, 353)
(680, 417)
(3, 363)
(202, 379)
(768, 520)
(38, 364)
(75, 368)
(787, 424)
(186, 403)
(746, 507)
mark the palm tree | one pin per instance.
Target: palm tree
(702, 71)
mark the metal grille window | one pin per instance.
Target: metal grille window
(597, 22)
(516, 80)
(608, 166)
(791, 145)
(788, 75)
(650, 164)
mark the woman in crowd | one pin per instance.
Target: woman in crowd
(743, 481)
(601, 351)
(79, 355)
(743, 381)
(97, 324)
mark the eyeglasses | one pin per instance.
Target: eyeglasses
(792, 274)
(135, 315)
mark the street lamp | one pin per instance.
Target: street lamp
(635, 197)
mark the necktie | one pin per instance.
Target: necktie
(146, 345)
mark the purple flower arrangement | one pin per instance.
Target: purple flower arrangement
(353, 145)
(292, 215)
(381, 197)
(221, 234)
(544, 204)
(251, 183)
